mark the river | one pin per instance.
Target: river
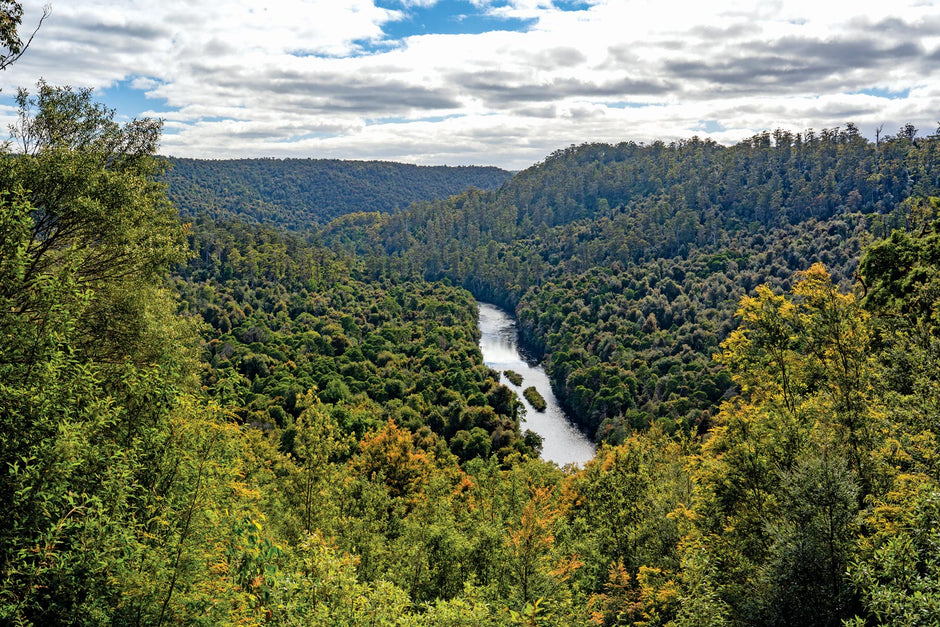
(562, 443)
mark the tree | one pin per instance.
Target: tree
(783, 474)
(96, 211)
(813, 541)
(898, 573)
(11, 17)
(901, 278)
(119, 487)
(530, 542)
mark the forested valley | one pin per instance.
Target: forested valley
(234, 418)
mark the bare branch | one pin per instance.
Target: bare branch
(5, 62)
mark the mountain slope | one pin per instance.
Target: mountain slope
(298, 193)
(624, 263)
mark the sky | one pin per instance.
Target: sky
(485, 82)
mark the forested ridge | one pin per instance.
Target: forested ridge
(217, 421)
(297, 194)
(624, 263)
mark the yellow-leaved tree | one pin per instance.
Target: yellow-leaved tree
(781, 477)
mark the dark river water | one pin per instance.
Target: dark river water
(562, 442)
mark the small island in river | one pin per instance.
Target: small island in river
(514, 377)
(535, 399)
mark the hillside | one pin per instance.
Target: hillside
(624, 262)
(296, 194)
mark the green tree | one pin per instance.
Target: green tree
(121, 487)
(95, 209)
(813, 541)
(898, 572)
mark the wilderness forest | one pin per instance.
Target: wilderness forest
(228, 399)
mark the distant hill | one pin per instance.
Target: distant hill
(297, 193)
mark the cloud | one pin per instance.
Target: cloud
(505, 89)
(506, 83)
(323, 92)
(556, 58)
(791, 64)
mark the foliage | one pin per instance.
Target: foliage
(11, 18)
(297, 194)
(288, 317)
(514, 377)
(120, 485)
(898, 573)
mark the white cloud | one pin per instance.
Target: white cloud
(319, 78)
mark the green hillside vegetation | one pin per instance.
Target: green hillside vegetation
(624, 263)
(287, 318)
(221, 423)
(297, 194)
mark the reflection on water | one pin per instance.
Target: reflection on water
(562, 442)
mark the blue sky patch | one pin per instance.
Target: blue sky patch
(573, 5)
(297, 138)
(449, 17)
(128, 101)
(710, 126)
(401, 120)
(881, 92)
(628, 105)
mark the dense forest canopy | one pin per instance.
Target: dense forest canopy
(297, 194)
(624, 262)
(221, 422)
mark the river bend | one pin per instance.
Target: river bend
(562, 443)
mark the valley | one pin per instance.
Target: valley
(674, 363)
(246, 408)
